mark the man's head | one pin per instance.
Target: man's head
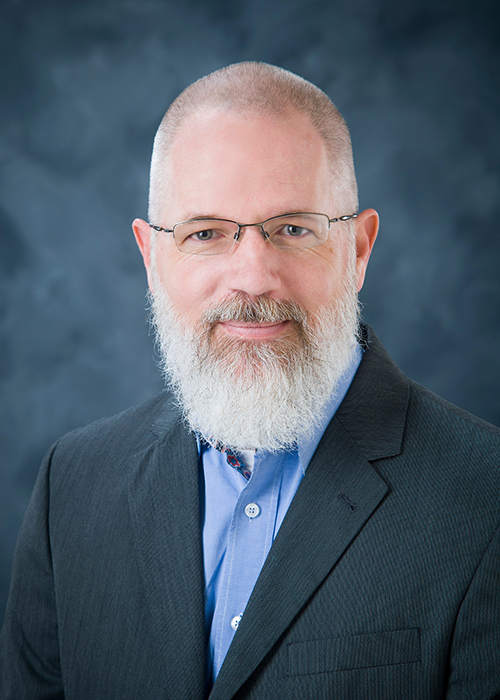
(256, 89)
(255, 338)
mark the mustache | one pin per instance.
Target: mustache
(261, 309)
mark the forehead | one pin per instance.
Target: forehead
(223, 161)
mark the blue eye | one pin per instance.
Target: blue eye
(205, 235)
(294, 230)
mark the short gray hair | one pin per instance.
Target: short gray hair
(259, 88)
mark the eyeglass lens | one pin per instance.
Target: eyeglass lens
(216, 236)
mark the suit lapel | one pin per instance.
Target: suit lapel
(164, 509)
(337, 496)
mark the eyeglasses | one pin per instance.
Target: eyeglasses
(297, 231)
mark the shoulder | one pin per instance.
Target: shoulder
(439, 410)
(116, 438)
(452, 434)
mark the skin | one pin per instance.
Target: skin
(247, 168)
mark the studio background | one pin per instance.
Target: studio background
(83, 87)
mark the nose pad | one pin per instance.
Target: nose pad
(262, 231)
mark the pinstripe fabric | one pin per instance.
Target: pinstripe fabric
(382, 584)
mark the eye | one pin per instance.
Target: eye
(205, 235)
(295, 230)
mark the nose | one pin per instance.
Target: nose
(253, 264)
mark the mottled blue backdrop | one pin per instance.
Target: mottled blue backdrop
(83, 87)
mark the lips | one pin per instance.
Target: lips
(253, 330)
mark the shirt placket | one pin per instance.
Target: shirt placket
(249, 541)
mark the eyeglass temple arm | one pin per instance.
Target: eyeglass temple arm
(346, 217)
(159, 228)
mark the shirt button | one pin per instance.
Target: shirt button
(252, 510)
(235, 622)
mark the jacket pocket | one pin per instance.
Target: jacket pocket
(354, 652)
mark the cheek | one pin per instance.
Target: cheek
(319, 279)
(316, 291)
(188, 281)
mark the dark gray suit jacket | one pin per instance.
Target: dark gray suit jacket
(383, 582)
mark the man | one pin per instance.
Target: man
(302, 521)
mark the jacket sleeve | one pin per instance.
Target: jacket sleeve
(475, 651)
(29, 648)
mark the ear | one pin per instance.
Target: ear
(366, 233)
(143, 233)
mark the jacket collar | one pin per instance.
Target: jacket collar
(374, 409)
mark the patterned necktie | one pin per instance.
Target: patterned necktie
(232, 458)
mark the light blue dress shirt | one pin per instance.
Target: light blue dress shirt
(241, 520)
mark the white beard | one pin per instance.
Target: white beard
(257, 394)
